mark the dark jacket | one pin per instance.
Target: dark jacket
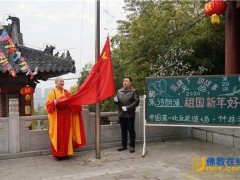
(128, 98)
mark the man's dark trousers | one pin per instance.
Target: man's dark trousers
(127, 125)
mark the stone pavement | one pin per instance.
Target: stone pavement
(175, 159)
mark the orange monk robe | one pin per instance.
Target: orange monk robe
(66, 129)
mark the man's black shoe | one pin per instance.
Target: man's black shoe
(132, 149)
(122, 148)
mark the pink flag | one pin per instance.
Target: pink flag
(4, 36)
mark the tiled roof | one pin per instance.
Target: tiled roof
(48, 65)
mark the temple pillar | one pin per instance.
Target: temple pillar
(14, 141)
(232, 64)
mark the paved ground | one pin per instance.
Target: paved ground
(165, 161)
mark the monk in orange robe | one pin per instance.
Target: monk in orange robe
(66, 129)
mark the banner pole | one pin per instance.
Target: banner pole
(97, 111)
(144, 127)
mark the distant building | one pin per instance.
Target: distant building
(46, 92)
(38, 98)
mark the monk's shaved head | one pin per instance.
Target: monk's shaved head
(58, 79)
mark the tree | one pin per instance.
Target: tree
(166, 38)
(73, 89)
(40, 110)
(176, 63)
(84, 73)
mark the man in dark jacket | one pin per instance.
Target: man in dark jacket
(127, 99)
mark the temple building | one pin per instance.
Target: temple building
(31, 65)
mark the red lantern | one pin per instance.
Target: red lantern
(214, 8)
(27, 91)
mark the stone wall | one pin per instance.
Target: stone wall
(224, 136)
(4, 135)
(18, 141)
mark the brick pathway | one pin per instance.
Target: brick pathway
(164, 160)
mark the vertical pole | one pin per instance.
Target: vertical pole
(232, 63)
(97, 112)
(144, 127)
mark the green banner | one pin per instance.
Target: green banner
(202, 100)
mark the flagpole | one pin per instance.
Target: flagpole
(97, 111)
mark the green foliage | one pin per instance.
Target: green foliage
(176, 63)
(84, 73)
(163, 38)
(73, 89)
(166, 38)
(40, 111)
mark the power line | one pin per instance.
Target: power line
(187, 27)
(81, 32)
(174, 34)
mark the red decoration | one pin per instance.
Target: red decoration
(27, 91)
(214, 8)
(98, 85)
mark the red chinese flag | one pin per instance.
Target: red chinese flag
(98, 85)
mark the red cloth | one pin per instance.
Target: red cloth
(98, 85)
(50, 107)
(63, 132)
(64, 126)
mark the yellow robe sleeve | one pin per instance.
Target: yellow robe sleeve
(52, 117)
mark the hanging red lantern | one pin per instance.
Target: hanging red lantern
(214, 8)
(27, 91)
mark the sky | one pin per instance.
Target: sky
(68, 25)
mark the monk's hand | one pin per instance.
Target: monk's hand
(55, 102)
